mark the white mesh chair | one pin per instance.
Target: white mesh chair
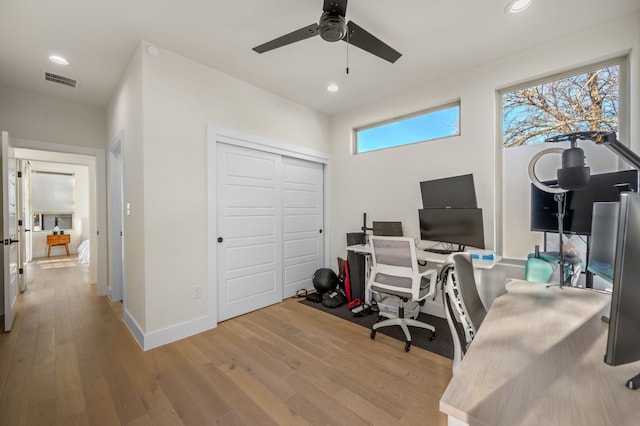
(395, 274)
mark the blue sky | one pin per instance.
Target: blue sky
(432, 125)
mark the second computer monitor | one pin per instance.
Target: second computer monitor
(451, 192)
(455, 226)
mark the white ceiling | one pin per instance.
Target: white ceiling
(436, 38)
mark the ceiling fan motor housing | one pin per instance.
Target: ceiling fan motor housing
(332, 27)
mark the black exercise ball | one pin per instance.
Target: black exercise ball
(324, 280)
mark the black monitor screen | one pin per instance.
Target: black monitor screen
(579, 204)
(455, 226)
(455, 191)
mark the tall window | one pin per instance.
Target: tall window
(435, 123)
(52, 200)
(585, 99)
(578, 103)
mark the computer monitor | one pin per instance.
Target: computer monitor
(623, 341)
(602, 244)
(453, 192)
(579, 204)
(455, 226)
(387, 229)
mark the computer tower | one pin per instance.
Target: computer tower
(356, 263)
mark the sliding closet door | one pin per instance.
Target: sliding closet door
(249, 196)
(302, 203)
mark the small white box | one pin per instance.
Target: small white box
(389, 306)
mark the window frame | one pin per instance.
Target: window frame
(623, 124)
(450, 104)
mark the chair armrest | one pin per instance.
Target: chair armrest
(432, 275)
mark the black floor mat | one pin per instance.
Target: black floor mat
(441, 345)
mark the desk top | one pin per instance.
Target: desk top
(427, 256)
(538, 359)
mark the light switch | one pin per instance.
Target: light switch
(128, 209)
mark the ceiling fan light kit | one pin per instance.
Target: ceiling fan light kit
(334, 27)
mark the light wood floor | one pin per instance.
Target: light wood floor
(70, 360)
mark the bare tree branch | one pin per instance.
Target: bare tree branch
(587, 101)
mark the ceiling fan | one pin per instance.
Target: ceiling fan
(333, 27)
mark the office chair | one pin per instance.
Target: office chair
(395, 275)
(463, 307)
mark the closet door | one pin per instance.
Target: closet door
(302, 204)
(249, 196)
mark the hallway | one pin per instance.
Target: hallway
(61, 328)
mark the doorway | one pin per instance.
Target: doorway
(94, 161)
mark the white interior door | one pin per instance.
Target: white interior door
(10, 234)
(249, 188)
(23, 223)
(302, 223)
(117, 283)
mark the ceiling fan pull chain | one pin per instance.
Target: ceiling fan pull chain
(348, 34)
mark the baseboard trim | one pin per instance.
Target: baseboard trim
(134, 328)
(167, 335)
(178, 332)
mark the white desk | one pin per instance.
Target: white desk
(427, 256)
(537, 359)
(433, 307)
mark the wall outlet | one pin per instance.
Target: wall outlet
(197, 291)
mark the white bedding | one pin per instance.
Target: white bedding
(84, 253)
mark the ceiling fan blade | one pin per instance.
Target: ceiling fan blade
(337, 6)
(297, 35)
(359, 37)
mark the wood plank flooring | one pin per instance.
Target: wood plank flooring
(71, 361)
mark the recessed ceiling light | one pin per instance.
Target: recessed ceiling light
(332, 88)
(517, 6)
(58, 60)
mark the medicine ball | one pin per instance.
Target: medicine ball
(324, 280)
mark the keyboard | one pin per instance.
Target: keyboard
(438, 251)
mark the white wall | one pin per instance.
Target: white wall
(180, 97)
(385, 183)
(124, 113)
(36, 117)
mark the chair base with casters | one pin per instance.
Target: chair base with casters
(395, 275)
(403, 322)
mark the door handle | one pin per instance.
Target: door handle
(10, 241)
(220, 239)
